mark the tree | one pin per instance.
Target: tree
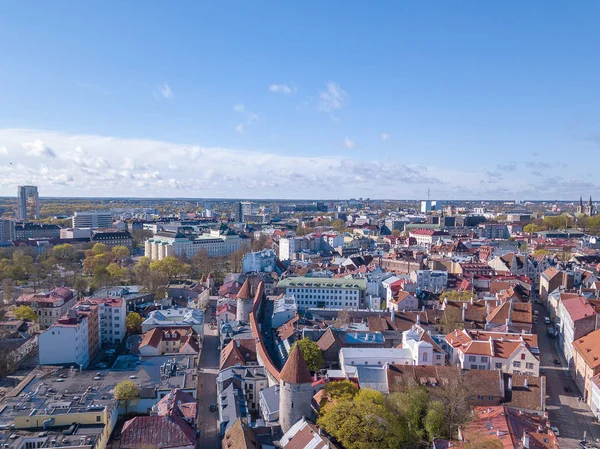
(236, 258)
(410, 407)
(7, 290)
(363, 422)
(133, 321)
(344, 318)
(260, 243)
(454, 401)
(312, 353)
(341, 390)
(65, 252)
(99, 248)
(171, 266)
(116, 272)
(434, 421)
(121, 252)
(25, 313)
(127, 392)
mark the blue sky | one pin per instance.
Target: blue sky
(315, 99)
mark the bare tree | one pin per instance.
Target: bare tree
(344, 318)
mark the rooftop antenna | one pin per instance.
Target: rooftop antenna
(428, 194)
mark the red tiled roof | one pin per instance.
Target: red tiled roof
(295, 370)
(158, 431)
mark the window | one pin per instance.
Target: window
(491, 398)
(498, 365)
(472, 358)
(425, 357)
(473, 366)
(481, 366)
(517, 364)
(484, 359)
(438, 357)
(529, 365)
(523, 356)
(98, 418)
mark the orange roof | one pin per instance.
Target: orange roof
(588, 348)
(295, 370)
(244, 292)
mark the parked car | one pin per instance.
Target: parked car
(568, 389)
(555, 430)
(546, 320)
(556, 362)
(212, 408)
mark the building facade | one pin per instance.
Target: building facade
(325, 292)
(50, 306)
(28, 203)
(92, 220)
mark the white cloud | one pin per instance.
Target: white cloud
(333, 98)
(349, 143)
(38, 148)
(3, 150)
(285, 89)
(163, 91)
(92, 165)
(384, 137)
(250, 117)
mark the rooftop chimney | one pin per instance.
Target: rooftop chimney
(525, 383)
(509, 383)
(525, 440)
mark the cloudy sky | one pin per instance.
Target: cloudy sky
(306, 100)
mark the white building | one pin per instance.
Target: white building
(215, 243)
(510, 353)
(414, 351)
(193, 318)
(434, 281)
(75, 233)
(112, 314)
(325, 293)
(66, 341)
(260, 261)
(92, 220)
(284, 309)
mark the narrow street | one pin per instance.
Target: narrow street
(572, 417)
(207, 386)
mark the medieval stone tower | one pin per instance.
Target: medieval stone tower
(295, 390)
(244, 303)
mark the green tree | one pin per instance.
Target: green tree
(116, 272)
(363, 422)
(25, 313)
(99, 248)
(411, 408)
(64, 253)
(434, 421)
(121, 252)
(312, 353)
(171, 266)
(133, 321)
(126, 392)
(338, 390)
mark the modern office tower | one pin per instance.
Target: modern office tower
(92, 220)
(28, 200)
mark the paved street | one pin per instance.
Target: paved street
(572, 417)
(207, 386)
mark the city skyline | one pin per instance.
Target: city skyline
(471, 101)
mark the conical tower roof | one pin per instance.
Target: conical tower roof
(244, 292)
(295, 370)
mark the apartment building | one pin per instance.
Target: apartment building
(510, 353)
(428, 237)
(434, 281)
(49, 306)
(112, 314)
(66, 341)
(328, 293)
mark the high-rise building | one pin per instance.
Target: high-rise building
(92, 220)
(242, 209)
(28, 200)
(7, 230)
